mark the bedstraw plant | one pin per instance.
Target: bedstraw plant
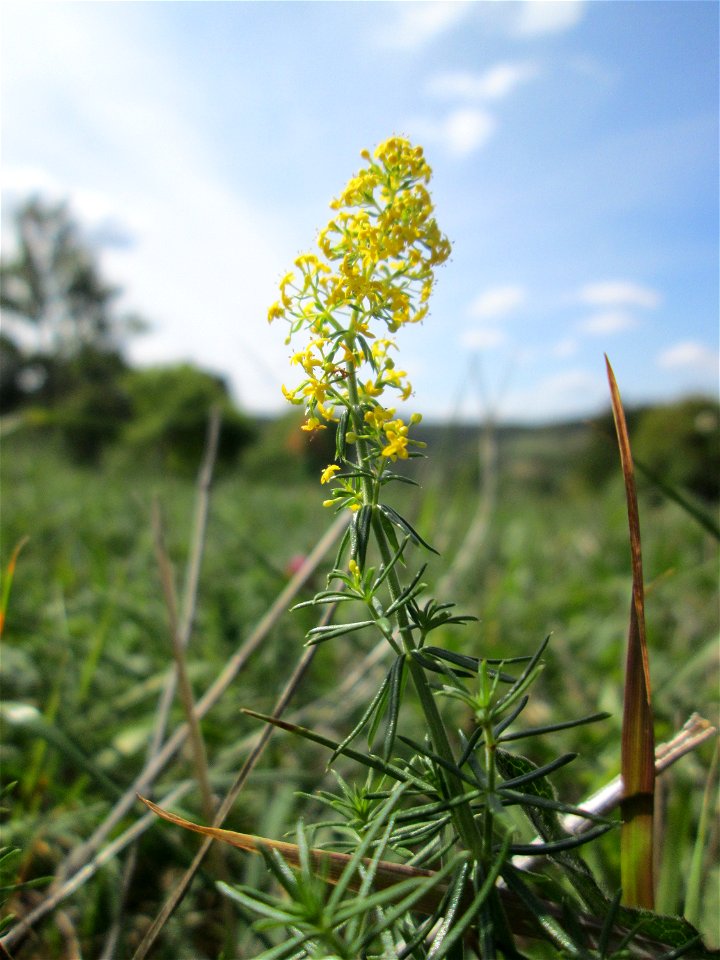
(450, 842)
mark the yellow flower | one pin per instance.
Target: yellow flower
(378, 416)
(275, 311)
(312, 424)
(290, 395)
(328, 473)
(374, 264)
(396, 434)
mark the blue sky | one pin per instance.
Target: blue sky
(575, 155)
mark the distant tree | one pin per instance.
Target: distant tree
(11, 365)
(64, 325)
(680, 444)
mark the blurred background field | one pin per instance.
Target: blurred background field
(532, 530)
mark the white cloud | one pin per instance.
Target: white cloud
(566, 347)
(535, 17)
(493, 84)
(610, 321)
(467, 129)
(99, 214)
(688, 354)
(420, 22)
(204, 260)
(619, 293)
(554, 396)
(482, 339)
(496, 302)
(461, 132)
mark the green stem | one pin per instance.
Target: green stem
(490, 772)
(463, 816)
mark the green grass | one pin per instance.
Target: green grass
(87, 647)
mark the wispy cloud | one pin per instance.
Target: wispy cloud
(469, 126)
(166, 193)
(461, 132)
(103, 220)
(619, 293)
(537, 17)
(493, 84)
(610, 321)
(567, 347)
(689, 354)
(485, 338)
(551, 397)
(419, 23)
(496, 302)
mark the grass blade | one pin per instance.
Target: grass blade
(695, 874)
(7, 582)
(638, 741)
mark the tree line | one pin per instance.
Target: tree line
(64, 367)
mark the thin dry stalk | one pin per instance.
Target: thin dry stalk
(197, 744)
(182, 887)
(192, 575)
(180, 633)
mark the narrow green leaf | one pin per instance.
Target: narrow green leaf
(570, 842)
(397, 677)
(359, 533)
(608, 924)
(367, 760)
(469, 916)
(425, 751)
(374, 709)
(450, 908)
(400, 522)
(695, 873)
(389, 530)
(340, 435)
(472, 663)
(553, 727)
(428, 663)
(536, 773)
(321, 634)
(412, 590)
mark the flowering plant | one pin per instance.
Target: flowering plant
(429, 846)
(376, 269)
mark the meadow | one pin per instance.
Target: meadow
(527, 545)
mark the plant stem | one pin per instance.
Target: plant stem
(462, 815)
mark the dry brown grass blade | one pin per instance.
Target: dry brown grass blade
(327, 863)
(638, 741)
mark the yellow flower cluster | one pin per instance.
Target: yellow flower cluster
(377, 261)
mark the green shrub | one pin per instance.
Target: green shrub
(680, 443)
(170, 409)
